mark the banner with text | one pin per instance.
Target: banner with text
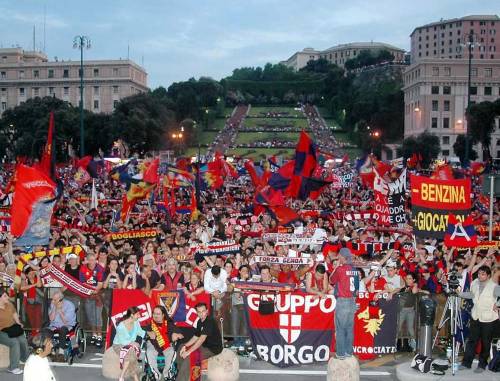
(433, 200)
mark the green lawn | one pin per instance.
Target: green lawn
(255, 111)
(207, 137)
(218, 124)
(255, 122)
(249, 137)
(260, 153)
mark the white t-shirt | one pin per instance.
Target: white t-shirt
(38, 369)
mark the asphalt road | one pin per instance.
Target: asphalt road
(89, 368)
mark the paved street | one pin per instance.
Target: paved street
(89, 368)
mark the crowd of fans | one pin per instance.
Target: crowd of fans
(167, 263)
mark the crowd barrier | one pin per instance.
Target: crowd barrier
(34, 315)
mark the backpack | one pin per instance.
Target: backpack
(494, 364)
(426, 364)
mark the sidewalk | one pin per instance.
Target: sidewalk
(404, 372)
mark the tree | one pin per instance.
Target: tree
(26, 127)
(481, 123)
(143, 122)
(459, 149)
(426, 144)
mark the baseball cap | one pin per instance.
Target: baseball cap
(71, 256)
(391, 263)
(148, 257)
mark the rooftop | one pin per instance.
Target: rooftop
(465, 18)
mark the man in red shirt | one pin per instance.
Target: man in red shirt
(92, 273)
(345, 282)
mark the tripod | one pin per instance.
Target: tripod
(455, 318)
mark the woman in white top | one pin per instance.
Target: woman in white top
(37, 366)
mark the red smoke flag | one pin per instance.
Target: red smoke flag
(47, 161)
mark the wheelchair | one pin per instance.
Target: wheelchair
(75, 344)
(172, 368)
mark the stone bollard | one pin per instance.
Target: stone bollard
(343, 370)
(111, 364)
(223, 367)
(4, 356)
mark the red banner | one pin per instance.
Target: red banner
(301, 331)
(440, 194)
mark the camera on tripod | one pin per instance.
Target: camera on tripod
(454, 280)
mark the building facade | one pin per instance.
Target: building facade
(446, 38)
(339, 54)
(25, 75)
(436, 83)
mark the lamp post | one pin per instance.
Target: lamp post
(81, 42)
(177, 136)
(470, 44)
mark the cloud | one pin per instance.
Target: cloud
(51, 21)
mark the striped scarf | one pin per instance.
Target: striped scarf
(160, 338)
(124, 352)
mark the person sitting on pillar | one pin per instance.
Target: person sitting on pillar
(207, 338)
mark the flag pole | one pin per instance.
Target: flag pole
(490, 223)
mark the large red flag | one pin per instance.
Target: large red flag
(47, 160)
(32, 186)
(151, 172)
(305, 163)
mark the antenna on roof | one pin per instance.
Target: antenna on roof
(44, 24)
(128, 50)
(34, 38)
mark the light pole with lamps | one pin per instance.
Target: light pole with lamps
(81, 42)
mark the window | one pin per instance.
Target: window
(21, 91)
(498, 142)
(446, 152)
(488, 72)
(21, 74)
(434, 123)
(435, 106)
(473, 90)
(3, 75)
(65, 73)
(96, 72)
(51, 73)
(4, 59)
(446, 106)
(66, 90)
(4, 90)
(115, 89)
(446, 140)
(115, 104)
(4, 106)
(36, 73)
(96, 105)
(447, 90)
(446, 122)
(36, 91)
(435, 90)
(447, 71)
(474, 71)
(96, 90)
(487, 90)
(435, 71)
(79, 73)
(115, 70)
(51, 91)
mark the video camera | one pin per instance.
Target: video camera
(454, 280)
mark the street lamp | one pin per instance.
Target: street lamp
(81, 42)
